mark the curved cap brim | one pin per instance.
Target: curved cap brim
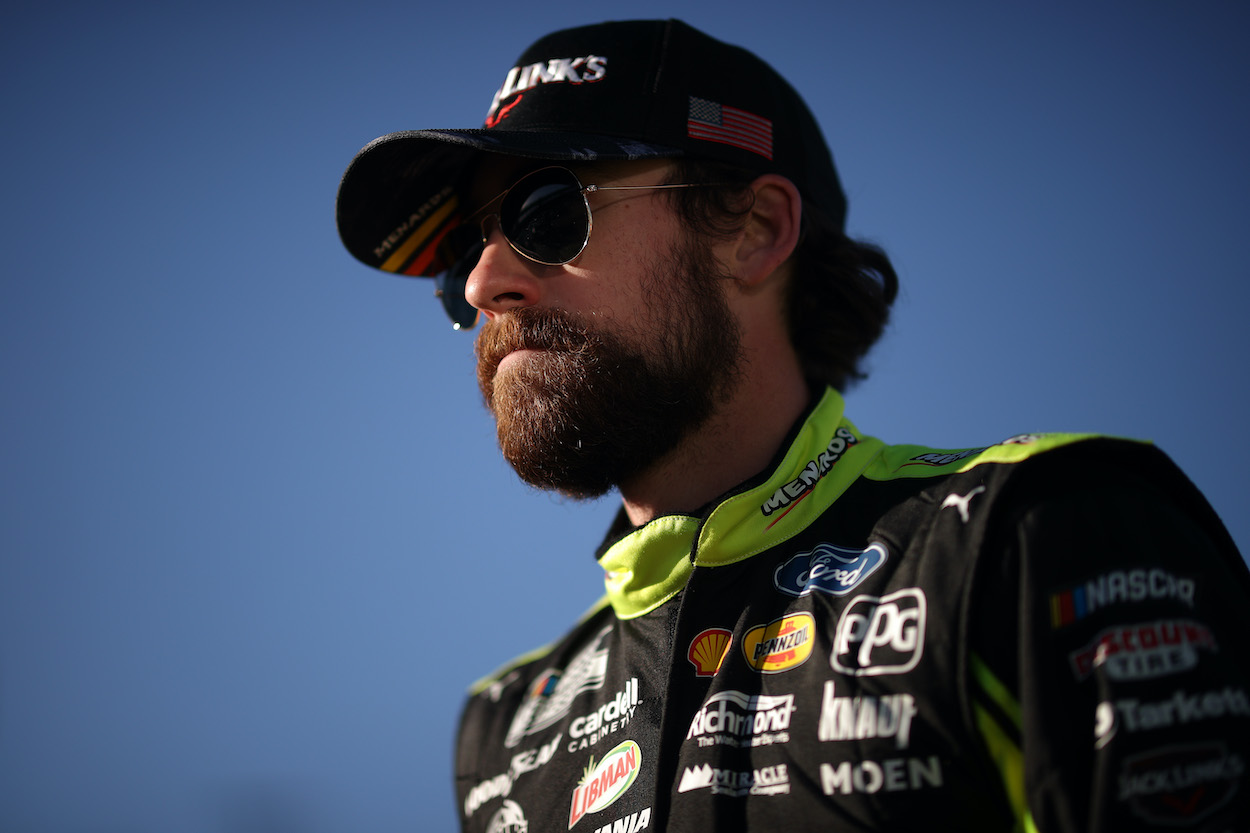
(400, 196)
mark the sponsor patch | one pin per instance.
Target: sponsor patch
(632, 823)
(605, 782)
(708, 650)
(943, 458)
(1133, 715)
(866, 716)
(551, 696)
(611, 717)
(829, 569)
(1118, 587)
(880, 634)
(785, 498)
(780, 645)
(1180, 785)
(731, 718)
(768, 780)
(508, 819)
(501, 785)
(1144, 651)
(891, 775)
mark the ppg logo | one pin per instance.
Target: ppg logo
(880, 635)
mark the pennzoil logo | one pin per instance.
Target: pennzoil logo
(708, 650)
(780, 645)
(603, 783)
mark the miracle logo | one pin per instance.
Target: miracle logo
(829, 569)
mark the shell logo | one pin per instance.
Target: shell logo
(780, 645)
(708, 651)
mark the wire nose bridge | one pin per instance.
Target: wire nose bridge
(487, 226)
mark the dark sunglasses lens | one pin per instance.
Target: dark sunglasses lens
(544, 216)
(449, 287)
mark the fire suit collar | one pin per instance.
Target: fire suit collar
(650, 565)
(826, 453)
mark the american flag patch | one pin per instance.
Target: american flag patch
(730, 126)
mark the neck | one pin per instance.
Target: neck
(736, 442)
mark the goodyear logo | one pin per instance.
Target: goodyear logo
(780, 645)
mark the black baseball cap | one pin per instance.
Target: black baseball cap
(643, 89)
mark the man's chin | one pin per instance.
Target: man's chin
(555, 471)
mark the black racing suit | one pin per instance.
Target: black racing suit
(1046, 634)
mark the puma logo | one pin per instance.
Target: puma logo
(961, 502)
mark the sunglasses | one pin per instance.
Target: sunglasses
(544, 216)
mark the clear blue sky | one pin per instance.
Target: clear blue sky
(255, 537)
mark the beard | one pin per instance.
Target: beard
(592, 409)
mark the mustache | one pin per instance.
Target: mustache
(530, 328)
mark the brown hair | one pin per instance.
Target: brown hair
(841, 290)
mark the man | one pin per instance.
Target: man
(804, 628)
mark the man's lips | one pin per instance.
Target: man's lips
(526, 335)
(517, 355)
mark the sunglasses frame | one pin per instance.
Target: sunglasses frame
(450, 284)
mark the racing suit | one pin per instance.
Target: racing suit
(1045, 634)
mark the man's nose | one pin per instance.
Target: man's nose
(502, 279)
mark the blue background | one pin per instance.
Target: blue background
(255, 537)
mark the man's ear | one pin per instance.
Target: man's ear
(771, 231)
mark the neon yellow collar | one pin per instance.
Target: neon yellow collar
(651, 564)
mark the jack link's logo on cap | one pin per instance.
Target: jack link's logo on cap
(582, 70)
(829, 569)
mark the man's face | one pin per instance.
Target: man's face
(597, 368)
